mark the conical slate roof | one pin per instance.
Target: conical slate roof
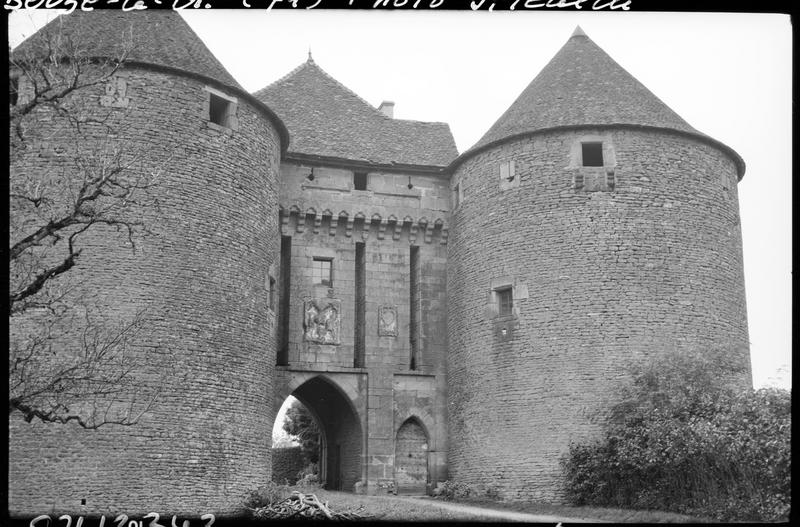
(155, 37)
(158, 37)
(327, 119)
(583, 86)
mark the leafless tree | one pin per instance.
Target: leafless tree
(66, 362)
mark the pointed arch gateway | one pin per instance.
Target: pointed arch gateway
(411, 458)
(340, 432)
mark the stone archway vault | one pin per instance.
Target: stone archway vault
(341, 436)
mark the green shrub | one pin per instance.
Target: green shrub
(684, 439)
(309, 470)
(452, 490)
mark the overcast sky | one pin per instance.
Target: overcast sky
(728, 75)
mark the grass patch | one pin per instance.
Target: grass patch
(390, 508)
(589, 513)
(398, 509)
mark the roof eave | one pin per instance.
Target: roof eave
(737, 159)
(283, 131)
(319, 160)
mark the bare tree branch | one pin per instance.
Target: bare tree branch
(67, 365)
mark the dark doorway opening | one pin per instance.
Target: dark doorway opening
(340, 435)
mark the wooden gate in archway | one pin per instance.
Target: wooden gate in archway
(411, 458)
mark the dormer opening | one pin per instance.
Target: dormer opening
(218, 109)
(360, 180)
(592, 154)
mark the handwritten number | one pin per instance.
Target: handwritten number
(66, 517)
(154, 521)
(37, 519)
(209, 517)
(175, 523)
(122, 518)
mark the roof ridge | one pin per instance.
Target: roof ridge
(281, 79)
(377, 112)
(417, 121)
(326, 118)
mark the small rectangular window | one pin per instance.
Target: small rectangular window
(507, 171)
(220, 110)
(456, 196)
(322, 271)
(360, 180)
(592, 154)
(505, 301)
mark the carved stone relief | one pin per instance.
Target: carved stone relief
(116, 93)
(387, 321)
(321, 322)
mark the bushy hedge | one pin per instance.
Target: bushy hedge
(686, 439)
(286, 463)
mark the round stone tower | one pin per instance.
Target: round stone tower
(207, 155)
(591, 225)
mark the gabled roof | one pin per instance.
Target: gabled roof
(154, 36)
(327, 119)
(583, 86)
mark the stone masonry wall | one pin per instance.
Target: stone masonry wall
(642, 262)
(326, 217)
(202, 277)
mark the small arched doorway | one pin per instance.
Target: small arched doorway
(411, 458)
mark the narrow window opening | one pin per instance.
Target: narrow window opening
(219, 109)
(360, 180)
(13, 91)
(272, 293)
(413, 331)
(360, 304)
(592, 154)
(456, 196)
(505, 301)
(610, 180)
(283, 313)
(322, 271)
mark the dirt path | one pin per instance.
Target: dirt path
(495, 514)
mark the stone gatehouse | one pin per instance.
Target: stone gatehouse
(426, 306)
